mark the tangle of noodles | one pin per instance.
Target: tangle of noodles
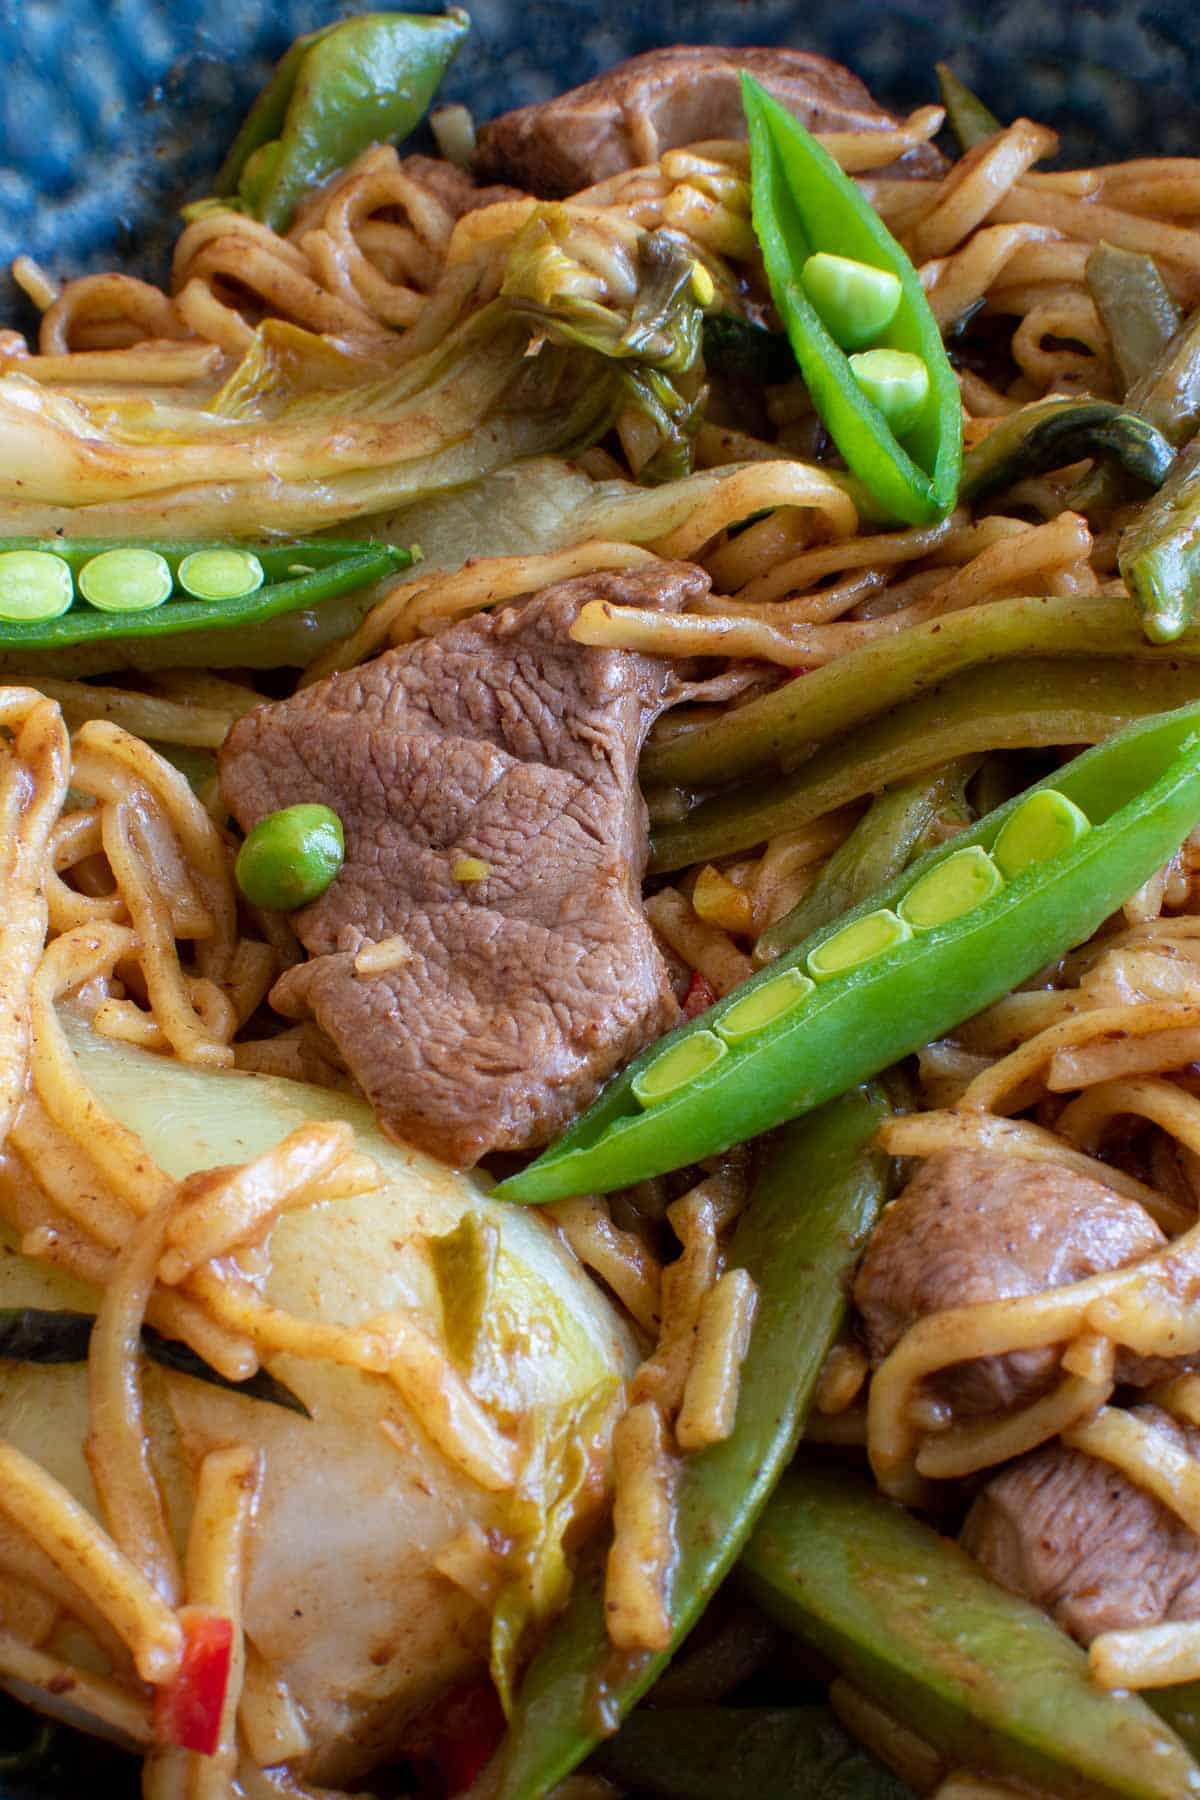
(117, 899)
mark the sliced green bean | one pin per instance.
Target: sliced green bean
(812, 1209)
(968, 118)
(919, 1628)
(1004, 706)
(785, 726)
(1135, 307)
(1159, 553)
(772, 1753)
(1168, 394)
(1052, 433)
(878, 848)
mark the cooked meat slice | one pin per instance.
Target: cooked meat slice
(501, 741)
(452, 186)
(975, 1225)
(682, 95)
(1079, 1538)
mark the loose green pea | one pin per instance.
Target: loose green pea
(127, 580)
(965, 880)
(1045, 825)
(684, 1062)
(34, 585)
(896, 382)
(290, 857)
(854, 300)
(857, 943)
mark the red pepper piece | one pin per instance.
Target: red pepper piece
(458, 1735)
(699, 997)
(187, 1711)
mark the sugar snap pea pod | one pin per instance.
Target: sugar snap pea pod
(968, 118)
(1052, 433)
(802, 204)
(813, 1206)
(1002, 706)
(746, 352)
(782, 728)
(363, 81)
(299, 576)
(1168, 394)
(1135, 307)
(773, 1753)
(878, 848)
(915, 1624)
(1141, 792)
(1159, 553)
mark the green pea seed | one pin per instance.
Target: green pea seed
(1043, 826)
(290, 857)
(958, 885)
(857, 943)
(896, 382)
(854, 301)
(127, 580)
(764, 1005)
(684, 1062)
(220, 574)
(34, 585)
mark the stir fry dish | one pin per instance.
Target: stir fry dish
(600, 956)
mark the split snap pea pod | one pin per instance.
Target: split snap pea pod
(919, 1628)
(363, 81)
(812, 1209)
(772, 1753)
(1052, 433)
(1028, 705)
(803, 204)
(968, 118)
(121, 593)
(783, 728)
(1141, 793)
(1159, 553)
(880, 846)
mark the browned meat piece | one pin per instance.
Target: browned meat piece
(451, 185)
(683, 95)
(975, 1225)
(499, 740)
(1079, 1538)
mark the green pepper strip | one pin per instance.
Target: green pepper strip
(785, 726)
(879, 848)
(813, 1207)
(363, 81)
(802, 203)
(1135, 306)
(334, 567)
(773, 1753)
(1159, 553)
(1141, 790)
(968, 118)
(1005, 706)
(918, 1627)
(1052, 433)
